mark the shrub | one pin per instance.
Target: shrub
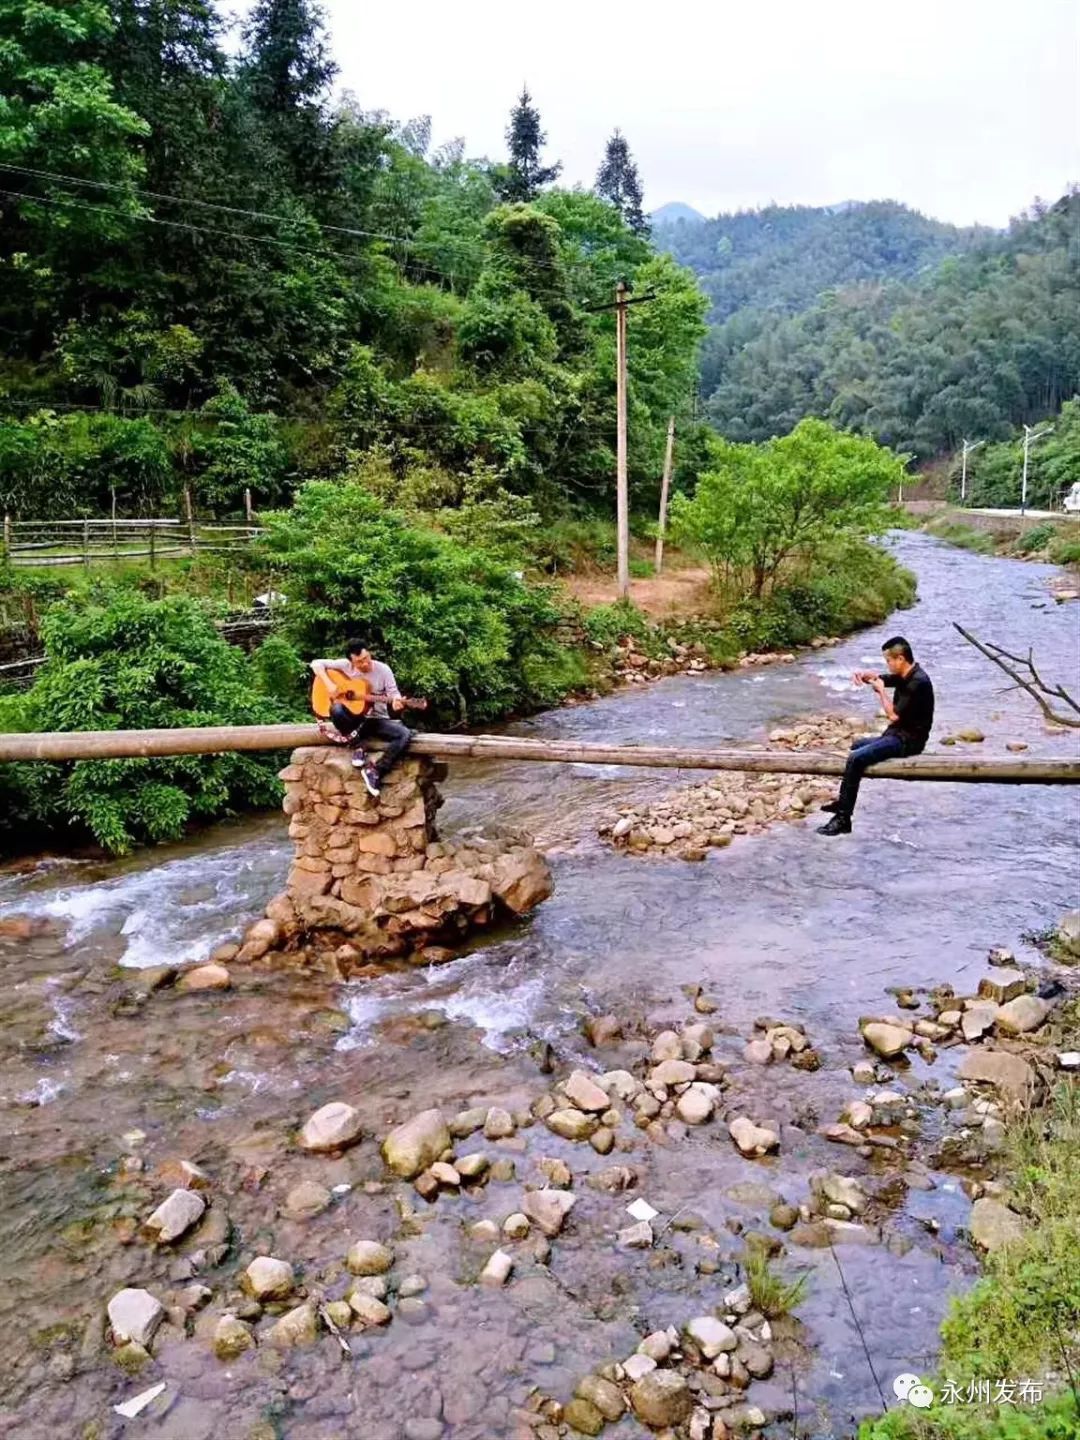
(135, 663)
(1037, 538)
(1064, 551)
(458, 625)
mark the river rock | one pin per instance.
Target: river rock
(332, 1128)
(175, 1216)
(662, 1399)
(135, 1315)
(752, 1139)
(978, 1020)
(572, 1124)
(498, 1124)
(369, 1309)
(467, 1122)
(1019, 1016)
(604, 1395)
(583, 1417)
(842, 1190)
(369, 1257)
(603, 1030)
(711, 1336)
(298, 1327)
(672, 1072)
(267, 1278)
(666, 1046)
(583, 1091)
(885, 1039)
(416, 1145)
(699, 1034)
(232, 1337)
(306, 1200)
(993, 1225)
(696, 1105)
(758, 1052)
(548, 1208)
(1003, 985)
(622, 1084)
(1011, 1074)
(205, 977)
(1068, 933)
(497, 1270)
(516, 1226)
(446, 1174)
(484, 1231)
(636, 1237)
(858, 1114)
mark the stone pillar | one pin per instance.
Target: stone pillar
(370, 879)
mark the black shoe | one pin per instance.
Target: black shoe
(832, 807)
(840, 824)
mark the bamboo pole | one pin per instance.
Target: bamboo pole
(120, 744)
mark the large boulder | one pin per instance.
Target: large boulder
(1019, 1016)
(331, 1128)
(415, 1146)
(521, 880)
(1011, 1074)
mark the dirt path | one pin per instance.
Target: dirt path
(674, 594)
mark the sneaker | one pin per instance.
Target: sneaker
(840, 824)
(373, 780)
(832, 807)
(359, 760)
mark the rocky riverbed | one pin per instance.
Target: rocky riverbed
(414, 1229)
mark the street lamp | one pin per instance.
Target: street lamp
(969, 446)
(1030, 436)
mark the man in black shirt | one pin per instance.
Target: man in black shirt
(910, 713)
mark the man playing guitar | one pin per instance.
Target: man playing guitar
(361, 713)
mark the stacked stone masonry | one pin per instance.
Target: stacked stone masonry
(372, 874)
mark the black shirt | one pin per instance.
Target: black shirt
(913, 701)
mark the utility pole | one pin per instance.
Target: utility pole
(623, 300)
(665, 486)
(969, 446)
(1030, 436)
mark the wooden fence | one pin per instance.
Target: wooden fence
(47, 543)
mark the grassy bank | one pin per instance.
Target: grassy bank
(1021, 1321)
(1047, 541)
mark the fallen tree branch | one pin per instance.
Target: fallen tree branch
(1036, 686)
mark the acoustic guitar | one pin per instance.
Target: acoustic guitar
(354, 692)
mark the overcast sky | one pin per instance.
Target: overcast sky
(965, 109)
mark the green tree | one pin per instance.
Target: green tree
(526, 175)
(618, 182)
(762, 506)
(238, 451)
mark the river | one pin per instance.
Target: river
(787, 924)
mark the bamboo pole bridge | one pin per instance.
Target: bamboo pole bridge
(137, 744)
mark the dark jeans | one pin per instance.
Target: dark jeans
(396, 736)
(865, 753)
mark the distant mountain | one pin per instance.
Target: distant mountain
(673, 212)
(783, 257)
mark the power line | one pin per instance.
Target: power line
(62, 178)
